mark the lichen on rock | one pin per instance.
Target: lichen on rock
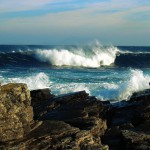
(16, 113)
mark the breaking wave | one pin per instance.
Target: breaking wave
(91, 56)
(96, 57)
(36, 81)
(135, 80)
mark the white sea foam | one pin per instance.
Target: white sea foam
(67, 88)
(135, 81)
(97, 56)
(102, 91)
(36, 81)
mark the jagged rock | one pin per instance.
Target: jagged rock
(72, 121)
(140, 96)
(136, 140)
(57, 135)
(40, 99)
(16, 114)
(40, 95)
(130, 121)
(80, 111)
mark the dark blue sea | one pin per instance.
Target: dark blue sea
(107, 72)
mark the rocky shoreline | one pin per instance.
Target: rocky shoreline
(75, 121)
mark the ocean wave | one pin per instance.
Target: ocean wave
(97, 56)
(35, 81)
(133, 52)
(91, 56)
(69, 87)
(135, 81)
(133, 59)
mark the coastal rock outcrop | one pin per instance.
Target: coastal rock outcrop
(71, 121)
(83, 113)
(16, 113)
(39, 120)
(130, 123)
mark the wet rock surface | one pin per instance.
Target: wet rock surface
(75, 121)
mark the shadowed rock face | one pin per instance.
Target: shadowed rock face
(16, 113)
(41, 99)
(130, 124)
(83, 115)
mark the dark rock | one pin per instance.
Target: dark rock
(136, 140)
(140, 96)
(74, 121)
(126, 126)
(72, 97)
(106, 102)
(80, 111)
(56, 135)
(130, 123)
(40, 95)
(41, 101)
(71, 121)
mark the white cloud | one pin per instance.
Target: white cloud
(95, 21)
(78, 19)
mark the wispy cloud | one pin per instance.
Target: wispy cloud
(28, 8)
(21, 5)
(107, 20)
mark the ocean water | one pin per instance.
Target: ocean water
(107, 72)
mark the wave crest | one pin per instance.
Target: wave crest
(36, 81)
(96, 57)
(90, 56)
(137, 82)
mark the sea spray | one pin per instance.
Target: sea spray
(89, 56)
(35, 81)
(72, 87)
(135, 81)
(95, 57)
(38, 67)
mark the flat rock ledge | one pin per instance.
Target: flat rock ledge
(39, 120)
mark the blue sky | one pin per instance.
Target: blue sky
(47, 22)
